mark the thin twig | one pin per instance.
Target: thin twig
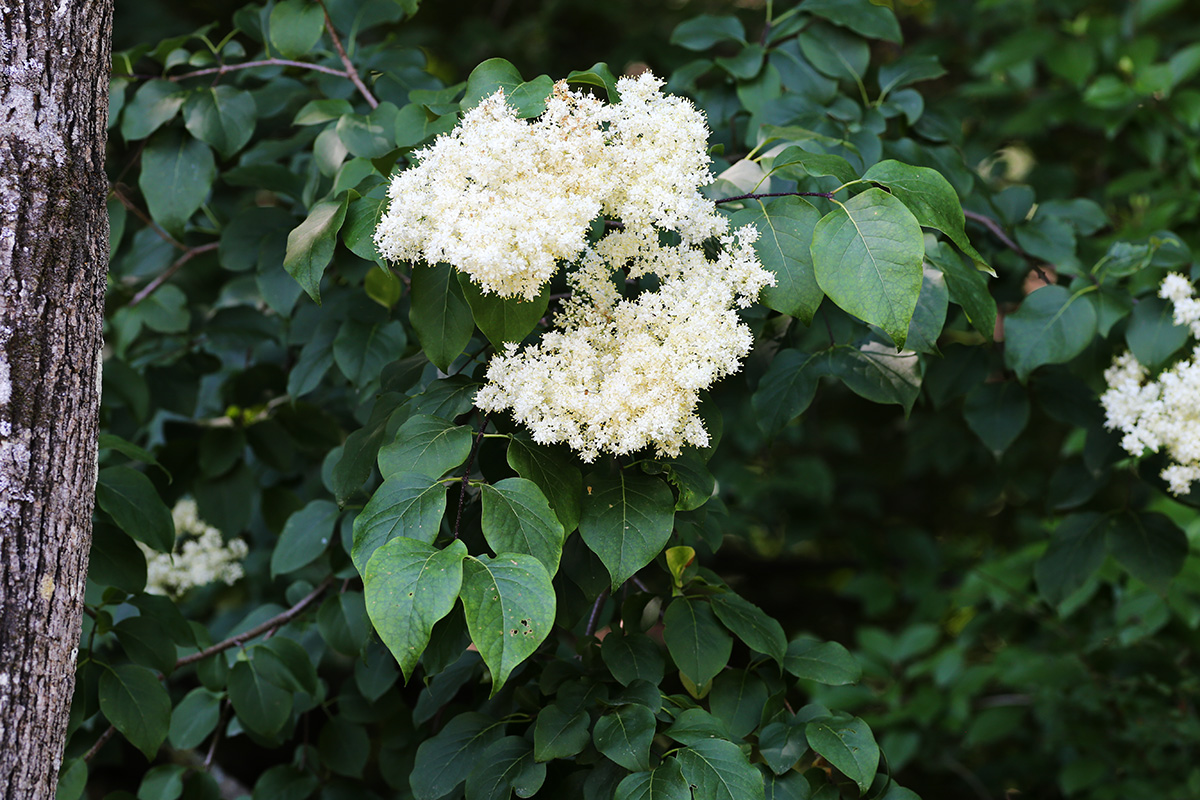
(593, 617)
(151, 287)
(274, 622)
(351, 72)
(462, 495)
(212, 747)
(144, 217)
(221, 70)
(755, 196)
(995, 229)
(104, 737)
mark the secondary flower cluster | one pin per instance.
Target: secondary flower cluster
(506, 201)
(200, 556)
(1161, 413)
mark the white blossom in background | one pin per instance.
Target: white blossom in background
(1161, 414)
(507, 201)
(200, 556)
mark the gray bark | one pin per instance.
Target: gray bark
(54, 67)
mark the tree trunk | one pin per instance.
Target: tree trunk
(54, 67)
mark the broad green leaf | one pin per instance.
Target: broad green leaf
(834, 52)
(282, 782)
(624, 735)
(847, 744)
(154, 104)
(719, 770)
(785, 229)
(908, 70)
(131, 500)
(931, 199)
(254, 238)
(865, 19)
(1151, 546)
(968, 287)
(632, 656)
(146, 642)
(997, 413)
(824, 662)
(555, 474)
(361, 349)
(517, 519)
(600, 76)
(305, 537)
(439, 313)
(867, 256)
(1077, 549)
(705, 30)
(558, 734)
(164, 782)
(877, 372)
(259, 704)
(690, 476)
(358, 234)
(344, 747)
(929, 317)
(310, 246)
(507, 766)
(503, 319)
(285, 663)
(426, 445)
(782, 745)
(343, 622)
(786, 390)
(699, 646)
(528, 98)
(413, 125)
(510, 605)
(382, 286)
(410, 585)
(796, 163)
(444, 760)
(137, 705)
(737, 699)
(1052, 326)
(1152, 334)
(745, 64)
(407, 504)
(750, 624)
(371, 135)
(222, 116)
(316, 112)
(72, 780)
(296, 25)
(177, 174)
(665, 782)
(794, 786)
(626, 521)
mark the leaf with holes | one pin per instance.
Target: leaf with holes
(719, 771)
(407, 504)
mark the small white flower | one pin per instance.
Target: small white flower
(200, 556)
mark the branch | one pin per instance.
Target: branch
(995, 229)
(592, 618)
(462, 495)
(752, 196)
(144, 217)
(151, 287)
(221, 70)
(351, 72)
(258, 630)
(104, 737)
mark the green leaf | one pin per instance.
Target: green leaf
(751, 624)
(72, 781)
(286, 664)
(344, 747)
(796, 163)
(690, 476)
(146, 642)
(968, 287)
(177, 174)
(414, 126)
(1152, 334)
(632, 656)
(997, 413)
(666, 782)
(699, 646)
(786, 390)
(506, 766)
(164, 782)
(510, 605)
(372, 135)
(222, 116)
(440, 315)
(865, 19)
(824, 662)
(137, 705)
(410, 585)
(315, 112)
(408, 504)
(848, 745)
(1151, 546)
(517, 519)
(877, 372)
(427, 445)
(305, 537)
(705, 30)
(625, 734)
(342, 620)
(626, 521)
(719, 771)
(503, 319)
(1076, 551)
(600, 76)
(867, 257)
(284, 782)
(785, 226)
(528, 98)
(908, 70)
(361, 349)
(782, 745)
(737, 699)
(296, 25)
(834, 52)
(557, 734)
(929, 317)
(1052, 326)
(443, 761)
(154, 104)
(259, 704)
(695, 725)
(310, 246)
(555, 474)
(131, 500)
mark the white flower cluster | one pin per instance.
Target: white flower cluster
(200, 555)
(1161, 413)
(506, 200)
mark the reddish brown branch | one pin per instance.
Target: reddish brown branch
(151, 287)
(104, 737)
(351, 72)
(224, 68)
(118, 193)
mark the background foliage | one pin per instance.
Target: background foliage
(950, 550)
